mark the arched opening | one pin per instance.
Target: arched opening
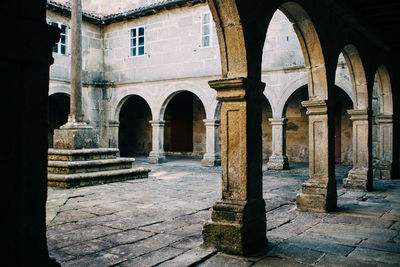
(58, 114)
(297, 126)
(308, 133)
(185, 133)
(134, 136)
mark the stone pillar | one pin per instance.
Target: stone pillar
(76, 134)
(319, 192)
(238, 223)
(385, 146)
(76, 112)
(211, 157)
(157, 155)
(278, 160)
(360, 177)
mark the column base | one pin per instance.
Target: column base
(358, 179)
(316, 197)
(237, 227)
(75, 136)
(278, 162)
(211, 160)
(383, 171)
(156, 158)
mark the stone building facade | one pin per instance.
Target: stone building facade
(135, 101)
(324, 29)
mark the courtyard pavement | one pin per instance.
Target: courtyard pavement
(158, 221)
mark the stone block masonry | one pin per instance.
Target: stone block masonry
(83, 167)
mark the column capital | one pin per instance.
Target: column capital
(315, 106)
(359, 114)
(112, 123)
(159, 123)
(236, 88)
(278, 121)
(211, 122)
(384, 118)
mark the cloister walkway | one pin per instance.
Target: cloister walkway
(159, 220)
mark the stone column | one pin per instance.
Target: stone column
(238, 223)
(157, 155)
(319, 192)
(76, 112)
(211, 157)
(278, 160)
(360, 177)
(385, 146)
(76, 134)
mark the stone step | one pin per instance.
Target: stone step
(95, 178)
(82, 154)
(70, 167)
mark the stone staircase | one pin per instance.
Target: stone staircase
(68, 168)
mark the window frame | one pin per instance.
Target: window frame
(212, 34)
(137, 46)
(59, 44)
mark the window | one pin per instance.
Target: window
(208, 32)
(137, 42)
(61, 46)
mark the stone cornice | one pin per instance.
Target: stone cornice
(128, 15)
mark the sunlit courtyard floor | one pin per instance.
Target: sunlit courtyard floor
(158, 221)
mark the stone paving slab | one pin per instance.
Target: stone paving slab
(158, 221)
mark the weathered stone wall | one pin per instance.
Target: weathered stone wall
(175, 61)
(172, 48)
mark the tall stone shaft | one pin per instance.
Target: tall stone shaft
(76, 112)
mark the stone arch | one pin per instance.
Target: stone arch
(384, 90)
(54, 88)
(287, 92)
(357, 76)
(297, 129)
(361, 119)
(170, 95)
(184, 115)
(311, 47)
(217, 111)
(342, 76)
(271, 103)
(382, 124)
(121, 101)
(230, 38)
